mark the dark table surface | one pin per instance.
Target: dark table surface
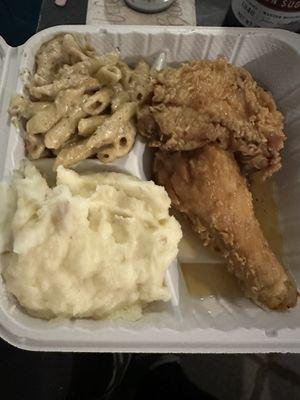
(57, 376)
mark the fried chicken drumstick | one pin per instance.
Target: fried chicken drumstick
(207, 186)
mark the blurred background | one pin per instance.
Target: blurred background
(18, 20)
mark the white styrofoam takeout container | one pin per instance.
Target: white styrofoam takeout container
(185, 324)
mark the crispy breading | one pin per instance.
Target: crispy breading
(206, 185)
(213, 101)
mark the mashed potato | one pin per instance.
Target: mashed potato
(93, 246)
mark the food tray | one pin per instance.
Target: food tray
(185, 324)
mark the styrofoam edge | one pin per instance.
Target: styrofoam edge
(291, 38)
(4, 47)
(172, 282)
(167, 340)
(170, 341)
(4, 51)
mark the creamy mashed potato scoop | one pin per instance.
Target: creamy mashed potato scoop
(93, 246)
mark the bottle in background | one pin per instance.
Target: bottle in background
(265, 14)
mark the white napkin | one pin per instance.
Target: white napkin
(99, 12)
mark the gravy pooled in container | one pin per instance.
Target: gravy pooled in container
(93, 246)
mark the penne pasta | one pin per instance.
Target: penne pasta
(109, 58)
(119, 99)
(72, 48)
(52, 90)
(60, 133)
(107, 153)
(98, 102)
(22, 107)
(126, 74)
(113, 126)
(108, 75)
(35, 146)
(121, 147)
(48, 58)
(74, 153)
(140, 84)
(88, 125)
(80, 104)
(43, 120)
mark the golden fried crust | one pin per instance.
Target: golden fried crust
(207, 186)
(213, 101)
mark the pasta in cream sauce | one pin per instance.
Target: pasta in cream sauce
(80, 104)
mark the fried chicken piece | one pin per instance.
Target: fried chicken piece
(207, 187)
(213, 101)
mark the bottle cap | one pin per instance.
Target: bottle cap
(149, 6)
